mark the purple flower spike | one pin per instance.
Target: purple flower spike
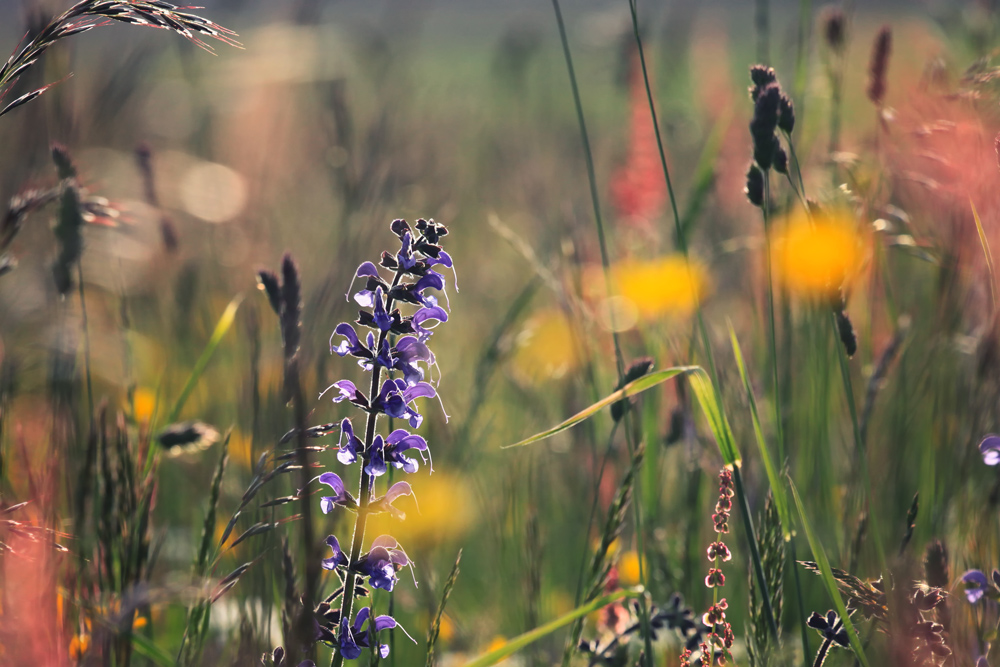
(342, 497)
(976, 584)
(990, 449)
(338, 559)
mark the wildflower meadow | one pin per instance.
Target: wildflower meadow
(588, 333)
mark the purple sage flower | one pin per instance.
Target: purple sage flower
(976, 585)
(990, 449)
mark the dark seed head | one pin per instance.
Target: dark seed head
(879, 65)
(755, 185)
(786, 114)
(833, 29)
(780, 160)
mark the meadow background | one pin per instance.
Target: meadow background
(336, 118)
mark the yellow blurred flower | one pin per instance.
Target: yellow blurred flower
(443, 511)
(644, 290)
(628, 569)
(447, 632)
(241, 450)
(668, 285)
(78, 646)
(817, 257)
(144, 402)
(495, 643)
(546, 347)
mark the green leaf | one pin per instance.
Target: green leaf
(826, 573)
(225, 322)
(631, 389)
(519, 642)
(147, 649)
(777, 488)
(717, 422)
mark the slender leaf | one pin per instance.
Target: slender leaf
(631, 389)
(777, 488)
(826, 573)
(225, 322)
(986, 251)
(709, 401)
(146, 648)
(519, 642)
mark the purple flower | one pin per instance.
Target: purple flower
(366, 270)
(382, 562)
(404, 258)
(380, 317)
(410, 351)
(351, 344)
(354, 638)
(436, 313)
(384, 504)
(338, 559)
(342, 497)
(348, 453)
(347, 390)
(990, 449)
(395, 396)
(414, 293)
(400, 441)
(976, 585)
(391, 452)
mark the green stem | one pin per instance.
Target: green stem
(778, 418)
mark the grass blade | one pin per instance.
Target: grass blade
(708, 399)
(777, 488)
(225, 322)
(826, 573)
(147, 649)
(986, 251)
(435, 628)
(631, 389)
(519, 642)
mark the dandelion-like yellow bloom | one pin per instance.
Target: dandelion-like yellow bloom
(545, 348)
(815, 258)
(145, 404)
(649, 289)
(666, 285)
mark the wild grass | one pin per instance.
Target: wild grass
(625, 314)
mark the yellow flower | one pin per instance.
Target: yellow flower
(644, 290)
(78, 646)
(817, 257)
(545, 348)
(628, 569)
(241, 450)
(144, 401)
(495, 643)
(443, 510)
(668, 285)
